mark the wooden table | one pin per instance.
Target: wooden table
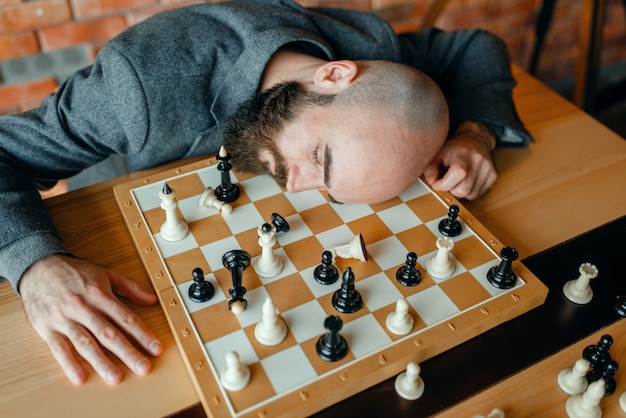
(570, 181)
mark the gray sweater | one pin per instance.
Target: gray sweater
(163, 89)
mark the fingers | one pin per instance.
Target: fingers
(71, 303)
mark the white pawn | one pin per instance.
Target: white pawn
(579, 291)
(208, 200)
(270, 330)
(174, 228)
(573, 381)
(587, 404)
(495, 413)
(409, 384)
(400, 322)
(268, 264)
(441, 266)
(622, 402)
(235, 375)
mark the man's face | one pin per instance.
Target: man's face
(356, 155)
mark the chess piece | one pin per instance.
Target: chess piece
(606, 374)
(209, 200)
(622, 401)
(226, 191)
(236, 262)
(587, 404)
(441, 266)
(347, 299)
(174, 228)
(271, 330)
(332, 346)
(598, 354)
(280, 223)
(267, 264)
(409, 385)
(399, 321)
(450, 226)
(579, 291)
(408, 274)
(502, 276)
(572, 381)
(495, 413)
(620, 305)
(235, 376)
(326, 273)
(354, 249)
(200, 290)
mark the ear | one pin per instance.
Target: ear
(335, 76)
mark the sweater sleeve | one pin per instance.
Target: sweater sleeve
(72, 129)
(472, 67)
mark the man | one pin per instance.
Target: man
(318, 97)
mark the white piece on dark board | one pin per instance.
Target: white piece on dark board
(271, 329)
(209, 200)
(441, 266)
(235, 375)
(573, 381)
(268, 264)
(399, 321)
(409, 385)
(174, 228)
(586, 404)
(579, 290)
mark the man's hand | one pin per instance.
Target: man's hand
(466, 161)
(72, 302)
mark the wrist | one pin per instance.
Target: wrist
(478, 130)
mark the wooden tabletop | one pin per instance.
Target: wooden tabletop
(570, 181)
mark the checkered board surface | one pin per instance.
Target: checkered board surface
(290, 379)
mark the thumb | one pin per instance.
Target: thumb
(128, 288)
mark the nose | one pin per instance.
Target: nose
(299, 179)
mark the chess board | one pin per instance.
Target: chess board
(290, 379)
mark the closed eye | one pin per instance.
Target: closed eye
(315, 156)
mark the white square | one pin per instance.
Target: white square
(480, 273)
(388, 252)
(305, 321)
(214, 251)
(260, 187)
(378, 291)
(183, 290)
(307, 199)
(433, 305)
(399, 218)
(147, 197)
(291, 359)
(288, 267)
(349, 212)
(212, 178)
(298, 230)
(316, 288)
(244, 218)
(414, 191)
(235, 341)
(364, 336)
(335, 237)
(170, 248)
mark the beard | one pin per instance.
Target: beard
(257, 123)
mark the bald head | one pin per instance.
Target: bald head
(366, 142)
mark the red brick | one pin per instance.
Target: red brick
(15, 45)
(29, 15)
(15, 95)
(74, 33)
(90, 8)
(135, 16)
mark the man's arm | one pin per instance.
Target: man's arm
(70, 302)
(473, 70)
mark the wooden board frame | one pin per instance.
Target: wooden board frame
(345, 381)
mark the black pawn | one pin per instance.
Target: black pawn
(347, 299)
(236, 261)
(332, 346)
(451, 227)
(502, 276)
(607, 372)
(280, 223)
(226, 191)
(408, 274)
(200, 290)
(620, 305)
(326, 273)
(597, 355)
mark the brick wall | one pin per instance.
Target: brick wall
(32, 32)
